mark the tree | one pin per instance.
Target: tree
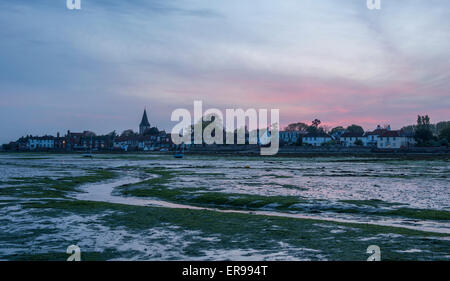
(443, 142)
(298, 127)
(445, 134)
(325, 129)
(410, 129)
(211, 127)
(205, 122)
(316, 123)
(355, 129)
(337, 129)
(441, 126)
(127, 133)
(423, 121)
(312, 129)
(423, 134)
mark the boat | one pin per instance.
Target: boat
(179, 154)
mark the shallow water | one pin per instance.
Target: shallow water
(103, 192)
(334, 190)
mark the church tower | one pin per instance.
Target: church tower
(144, 123)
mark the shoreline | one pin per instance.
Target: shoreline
(283, 153)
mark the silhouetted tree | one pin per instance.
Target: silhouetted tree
(445, 134)
(316, 123)
(423, 121)
(314, 128)
(355, 129)
(423, 134)
(337, 129)
(127, 133)
(442, 125)
(299, 127)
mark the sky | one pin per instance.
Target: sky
(98, 68)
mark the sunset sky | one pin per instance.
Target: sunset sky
(97, 68)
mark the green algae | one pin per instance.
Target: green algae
(45, 187)
(242, 231)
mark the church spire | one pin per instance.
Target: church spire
(144, 123)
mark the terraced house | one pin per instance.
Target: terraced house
(316, 139)
(371, 138)
(289, 137)
(348, 139)
(394, 140)
(41, 143)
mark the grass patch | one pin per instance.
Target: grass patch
(243, 201)
(46, 187)
(159, 188)
(420, 214)
(246, 231)
(371, 202)
(423, 214)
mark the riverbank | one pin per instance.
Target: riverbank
(307, 151)
(285, 151)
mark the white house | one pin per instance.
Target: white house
(316, 139)
(289, 137)
(371, 138)
(394, 139)
(45, 142)
(348, 139)
(126, 142)
(337, 134)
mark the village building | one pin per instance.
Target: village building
(371, 138)
(60, 142)
(126, 143)
(40, 143)
(337, 135)
(348, 139)
(394, 140)
(143, 142)
(148, 139)
(289, 137)
(316, 139)
(96, 142)
(73, 141)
